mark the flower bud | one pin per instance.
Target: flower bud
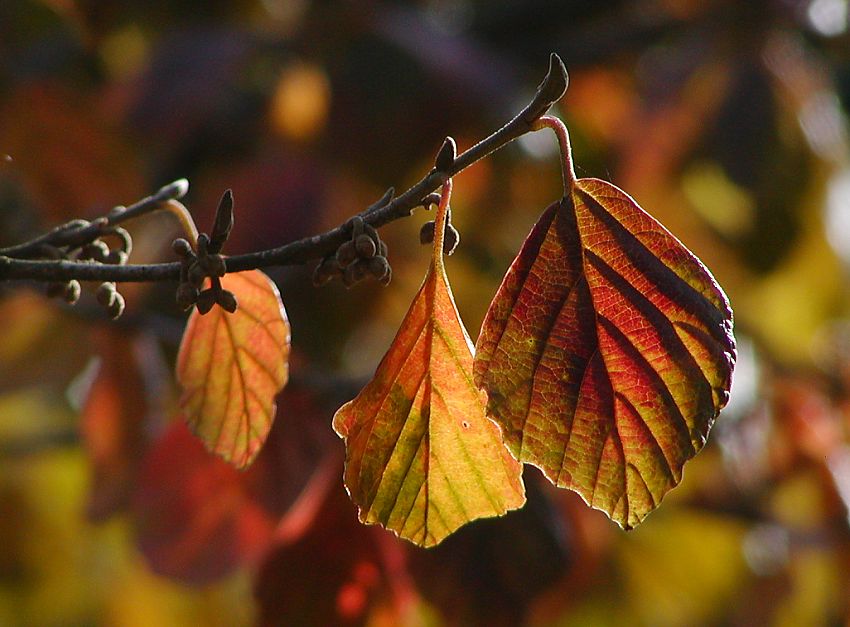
(227, 301)
(365, 246)
(206, 300)
(187, 295)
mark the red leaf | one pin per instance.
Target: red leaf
(231, 366)
(607, 351)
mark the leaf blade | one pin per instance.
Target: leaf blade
(422, 459)
(231, 366)
(607, 352)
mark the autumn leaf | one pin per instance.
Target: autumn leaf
(231, 366)
(422, 459)
(607, 351)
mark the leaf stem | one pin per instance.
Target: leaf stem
(187, 223)
(567, 169)
(440, 220)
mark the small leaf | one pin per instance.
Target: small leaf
(422, 459)
(607, 352)
(231, 366)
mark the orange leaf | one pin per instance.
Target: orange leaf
(607, 351)
(231, 366)
(422, 459)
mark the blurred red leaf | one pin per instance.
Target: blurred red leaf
(607, 351)
(199, 518)
(115, 419)
(231, 366)
(422, 459)
(330, 570)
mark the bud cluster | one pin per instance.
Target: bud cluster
(206, 262)
(363, 255)
(95, 250)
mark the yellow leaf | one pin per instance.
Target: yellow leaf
(231, 366)
(422, 459)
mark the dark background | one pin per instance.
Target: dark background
(725, 120)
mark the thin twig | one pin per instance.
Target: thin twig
(294, 253)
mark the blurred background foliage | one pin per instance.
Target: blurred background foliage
(726, 120)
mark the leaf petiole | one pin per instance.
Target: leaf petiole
(440, 223)
(567, 170)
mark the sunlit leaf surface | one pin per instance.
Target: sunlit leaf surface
(607, 352)
(422, 458)
(231, 366)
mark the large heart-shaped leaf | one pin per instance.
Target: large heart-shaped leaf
(422, 459)
(231, 366)
(607, 352)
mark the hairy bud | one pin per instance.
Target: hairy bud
(72, 291)
(187, 295)
(356, 225)
(378, 267)
(182, 247)
(346, 253)
(206, 300)
(106, 294)
(365, 246)
(451, 239)
(96, 250)
(116, 258)
(214, 265)
(227, 301)
(426, 233)
(116, 308)
(327, 269)
(196, 274)
(354, 273)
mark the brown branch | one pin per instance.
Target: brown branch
(12, 266)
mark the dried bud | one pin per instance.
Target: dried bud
(123, 235)
(203, 244)
(426, 233)
(355, 224)
(116, 258)
(354, 273)
(116, 308)
(227, 300)
(385, 280)
(327, 269)
(72, 291)
(378, 267)
(223, 222)
(365, 246)
(96, 250)
(346, 253)
(206, 300)
(106, 294)
(451, 239)
(446, 156)
(187, 295)
(182, 247)
(196, 274)
(430, 200)
(372, 232)
(214, 265)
